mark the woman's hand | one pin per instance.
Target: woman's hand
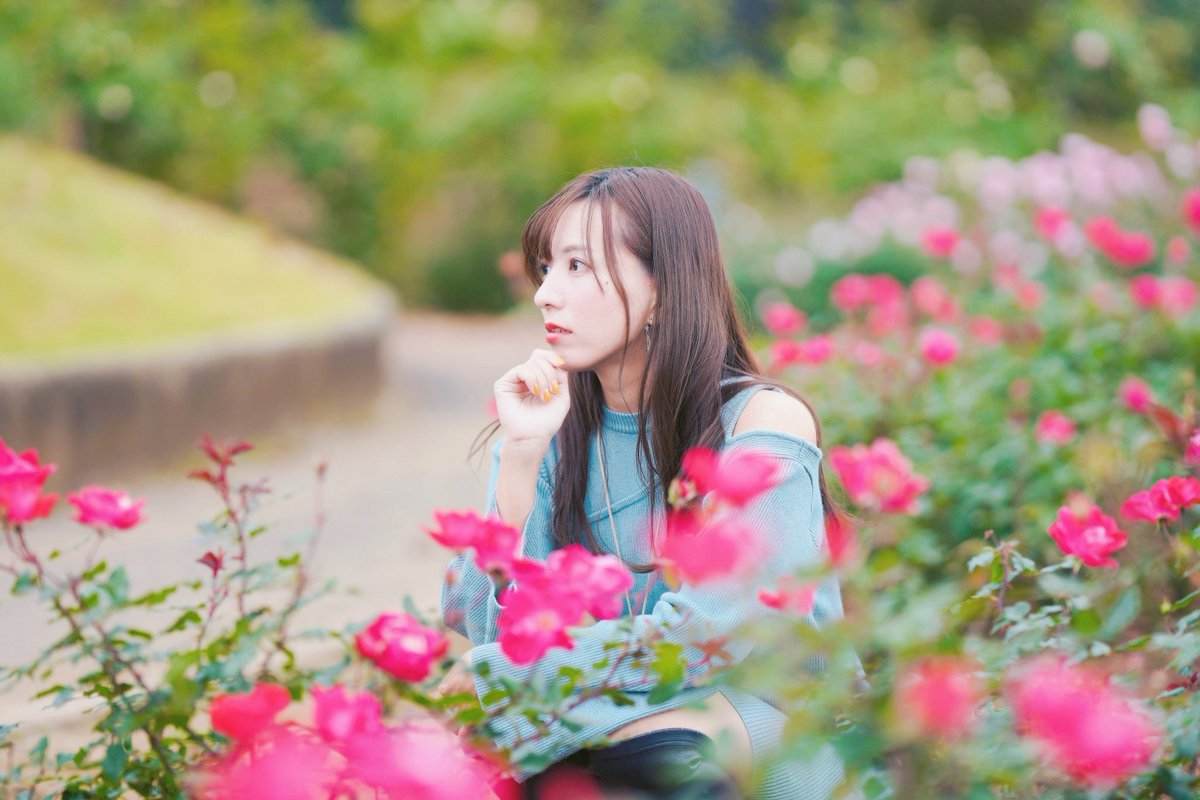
(532, 398)
(459, 680)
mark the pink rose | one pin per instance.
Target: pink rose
(1093, 732)
(1178, 251)
(868, 354)
(851, 292)
(1152, 505)
(21, 482)
(1182, 491)
(1029, 294)
(790, 596)
(1136, 395)
(1190, 209)
(937, 346)
(816, 350)
(840, 540)
(698, 550)
(1054, 427)
(933, 300)
(878, 477)
(401, 646)
(242, 717)
(285, 764)
(987, 330)
(1177, 295)
(1050, 221)
(937, 697)
(493, 540)
(1192, 454)
(939, 242)
(782, 319)
(340, 715)
(735, 476)
(598, 582)
(96, 505)
(1093, 536)
(1127, 248)
(416, 759)
(1145, 291)
(531, 622)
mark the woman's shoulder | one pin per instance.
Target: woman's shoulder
(779, 412)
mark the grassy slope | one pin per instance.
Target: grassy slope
(95, 260)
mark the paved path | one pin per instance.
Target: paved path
(387, 471)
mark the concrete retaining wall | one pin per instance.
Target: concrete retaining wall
(112, 415)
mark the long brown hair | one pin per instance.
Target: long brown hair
(697, 338)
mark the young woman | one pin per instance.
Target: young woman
(646, 359)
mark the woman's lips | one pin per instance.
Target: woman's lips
(555, 332)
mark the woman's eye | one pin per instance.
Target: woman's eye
(543, 268)
(575, 265)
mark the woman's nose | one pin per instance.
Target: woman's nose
(548, 294)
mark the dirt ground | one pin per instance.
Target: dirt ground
(388, 470)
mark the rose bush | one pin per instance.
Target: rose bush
(1014, 430)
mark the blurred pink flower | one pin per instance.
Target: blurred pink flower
(1154, 125)
(1054, 427)
(21, 481)
(1029, 294)
(493, 540)
(938, 347)
(1177, 295)
(340, 715)
(782, 319)
(868, 354)
(417, 759)
(1136, 395)
(697, 549)
(284, 765)
(987, 330)
(851, 292)
(840, 540)
(736, 476)
(244, 716)
(1190, 208)
(1093, 732)
(1050, 221)
(1192, 454)
(937, 697)
(785, 352)
(933, 300)
(456, 530)
(1151, 505)
(102, 507)
(1091, 535)
(878, 477)
(890, 315)
(1126, 248)
(1145, 291)
(599, 582)
(1103, 296)
(939, 242)
(401, 646)
(1178, 251)
(1183, 491)
(532, 621)
(791, 596)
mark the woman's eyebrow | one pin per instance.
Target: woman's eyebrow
(574, 248)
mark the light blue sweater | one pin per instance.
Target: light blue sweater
(789, 523)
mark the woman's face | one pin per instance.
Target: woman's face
(585, 323)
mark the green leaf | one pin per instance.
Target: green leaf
(1123, 612)
(154, 598)
(288, 561)
(494, 696)
(117, 586)
(94, 571)
(24, 582)
(189, 617)
(670, 666)
(1086, 621)
(38, 754)
(981, 560)
(256, 531)
(114, 761)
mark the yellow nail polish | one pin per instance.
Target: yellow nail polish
(535, 389)
(559, 360)
(553, 387)
(546, 396)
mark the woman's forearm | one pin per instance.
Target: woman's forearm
(516, 482)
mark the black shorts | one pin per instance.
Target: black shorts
(671, 764)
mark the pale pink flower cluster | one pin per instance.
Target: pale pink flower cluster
(1094, 733)
(348, 751)
(878, 477)
(1174, 295)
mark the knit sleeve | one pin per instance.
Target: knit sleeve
(469, 604)
(787, 529)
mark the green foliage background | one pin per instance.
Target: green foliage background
(416, 135)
